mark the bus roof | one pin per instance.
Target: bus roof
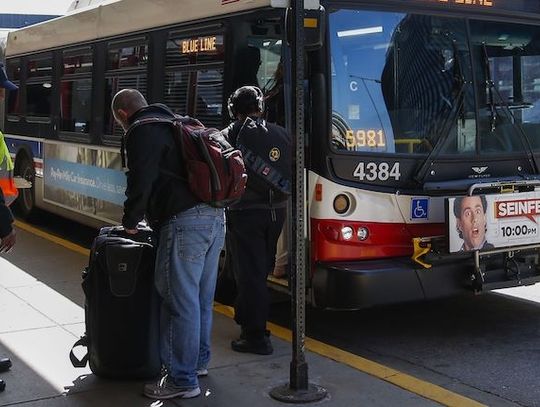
(115, 17)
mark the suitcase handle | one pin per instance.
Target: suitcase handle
(76, 362)
(119, 230)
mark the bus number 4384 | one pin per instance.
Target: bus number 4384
(377, 171)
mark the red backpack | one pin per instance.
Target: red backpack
(215, 170)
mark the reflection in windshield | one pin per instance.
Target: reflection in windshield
(509, 105)
(404, 83)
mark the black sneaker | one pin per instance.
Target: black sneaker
(5, 364)
(260, 347)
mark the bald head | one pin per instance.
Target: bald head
(125, 103)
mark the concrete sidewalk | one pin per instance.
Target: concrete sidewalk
(41, 316)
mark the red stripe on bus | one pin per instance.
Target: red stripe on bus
(384, 239)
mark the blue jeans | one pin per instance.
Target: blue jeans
(186, 270)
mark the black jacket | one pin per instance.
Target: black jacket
(252, 199)
(151, 154)
(6, 218)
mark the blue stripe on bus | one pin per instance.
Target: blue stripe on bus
(15, 144)
(88, 180)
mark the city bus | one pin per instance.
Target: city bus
(414, 109)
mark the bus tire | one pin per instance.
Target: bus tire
(25, 205)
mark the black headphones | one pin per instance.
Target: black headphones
(254, 91)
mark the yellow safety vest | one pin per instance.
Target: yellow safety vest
(6, 173)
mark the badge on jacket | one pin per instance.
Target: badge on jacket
(274, 154)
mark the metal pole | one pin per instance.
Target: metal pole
(298, 390)
(299, 368)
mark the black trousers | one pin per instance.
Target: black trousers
(252, 239)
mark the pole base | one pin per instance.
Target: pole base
(286, 394)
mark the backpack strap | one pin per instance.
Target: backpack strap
(184, 120)
(187, 120)
(123, 151)
(260, 167)
(133, 126)
(148, 120)
(265, 171)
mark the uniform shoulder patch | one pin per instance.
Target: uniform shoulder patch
(274, 154)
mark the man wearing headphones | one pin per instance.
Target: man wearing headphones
(254, 223)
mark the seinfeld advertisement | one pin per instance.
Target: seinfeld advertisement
(483, 222)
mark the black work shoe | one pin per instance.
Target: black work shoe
(5, 364)
(260, 347)
(245, 333)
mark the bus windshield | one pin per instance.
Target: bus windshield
(415, 84)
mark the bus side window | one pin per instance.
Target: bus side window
(76, 94)
(208, 103)
(274, 97)
(126, 68)
(266, 72)
(13, 98)
(39, 88)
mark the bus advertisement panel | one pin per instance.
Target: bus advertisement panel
(84, 179)
(483, 222)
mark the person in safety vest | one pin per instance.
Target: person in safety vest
(7, 189)
(7, 185)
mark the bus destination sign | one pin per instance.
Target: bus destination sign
(200, 45)
(523, 6)
(484, 3)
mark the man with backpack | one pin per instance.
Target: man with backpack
(254, 224)
(191, 236)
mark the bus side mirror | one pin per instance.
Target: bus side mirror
(314, 28)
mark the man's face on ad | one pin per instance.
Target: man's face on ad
(472, 222)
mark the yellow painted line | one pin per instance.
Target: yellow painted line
(422, 388)
(405, 381)
(55, 239)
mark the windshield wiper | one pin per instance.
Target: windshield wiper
(490, 85)
(456, 109)
(493, 89)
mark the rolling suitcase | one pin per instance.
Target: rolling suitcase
(121, 307)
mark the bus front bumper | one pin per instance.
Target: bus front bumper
(361, 284)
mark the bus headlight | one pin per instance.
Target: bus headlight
(347, 232)
(342, 204)
(362, 233)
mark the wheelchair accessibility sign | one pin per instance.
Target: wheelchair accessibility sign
(419, 208)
